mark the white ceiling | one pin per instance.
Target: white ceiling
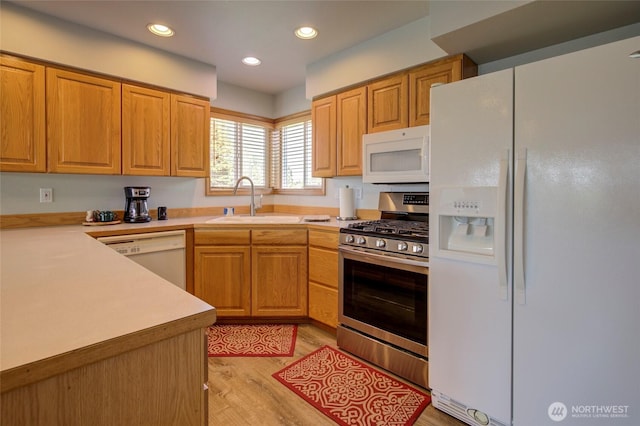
(221, 33)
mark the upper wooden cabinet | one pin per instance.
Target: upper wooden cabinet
(402, 99)
(339, 121)
(146, 120)
(189, 136)
(62, 121)
(22, 126)
(351, 125)
(323, 117)
(441, 72)
(83, 123)
(164, 134)
(388, 103)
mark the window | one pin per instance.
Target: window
(291, 157)
(278, 160)
(239, 147)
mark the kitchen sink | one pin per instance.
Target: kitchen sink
(255, 219)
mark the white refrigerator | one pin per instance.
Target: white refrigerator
(534, 279)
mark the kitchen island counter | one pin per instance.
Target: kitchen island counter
(70, 304)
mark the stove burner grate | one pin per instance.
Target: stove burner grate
(394, 227)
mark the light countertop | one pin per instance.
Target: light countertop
(61, 290)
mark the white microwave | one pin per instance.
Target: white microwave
(396, 156)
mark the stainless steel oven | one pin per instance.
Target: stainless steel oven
(383, 287)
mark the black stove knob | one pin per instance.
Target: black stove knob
(416, 248)
(381, 243)
(402, 246)
(361, 240)
(349, 239)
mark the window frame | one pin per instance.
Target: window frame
(271, 126)
(238, 117)
(278, 124)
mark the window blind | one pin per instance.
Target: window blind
(291, 160)
(238, 149)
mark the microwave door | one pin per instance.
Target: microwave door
(397, 156)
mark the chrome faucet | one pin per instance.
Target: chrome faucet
(252, 205)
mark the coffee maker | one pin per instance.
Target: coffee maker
(136, 209)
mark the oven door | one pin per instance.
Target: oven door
(384, 297)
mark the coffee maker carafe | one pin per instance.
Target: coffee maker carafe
(136, 209)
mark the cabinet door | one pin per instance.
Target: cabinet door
(190, 122)
(323, 304)
(323, 276)
(223, 279)
(388, 105)
(279, 281)
(145, 131)
(420, 82)
(351, 125)
(22, 126)
(83, 123)
(323, 117)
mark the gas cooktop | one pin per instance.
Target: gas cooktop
(417, 231)
(402, 230)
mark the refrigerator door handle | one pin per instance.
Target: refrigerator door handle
(501, 226)
(518, 226)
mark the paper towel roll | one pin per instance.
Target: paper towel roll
(347, 205)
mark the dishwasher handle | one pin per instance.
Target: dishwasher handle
(130, 245)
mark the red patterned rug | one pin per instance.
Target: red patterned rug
(350, 392)
(252, 340)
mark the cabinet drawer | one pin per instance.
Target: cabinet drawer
(326, 239)
(286, 237)
(223, 237)
(323, 304)
(323, 266)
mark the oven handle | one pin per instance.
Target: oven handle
(367, 257)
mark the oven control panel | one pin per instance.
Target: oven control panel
(420, 199)
(389, 246)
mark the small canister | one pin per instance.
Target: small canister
(229, 211)
(162, 213)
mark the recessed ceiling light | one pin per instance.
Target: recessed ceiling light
(635, 55)
(250, 60)
(306, 33)
(160, 30)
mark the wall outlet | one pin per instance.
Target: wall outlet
(357, 193)
(46, 195)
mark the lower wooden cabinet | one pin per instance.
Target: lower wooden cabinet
(259, 272)
(159, 383)
(223, 279)
(323, 276)
(222, 275)
(279, 281)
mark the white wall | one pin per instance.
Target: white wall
(33, 34)
(236, 98)
(449, 16)
(291, 101)
(562, 48)
(398, 49)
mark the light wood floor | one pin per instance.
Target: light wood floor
(243, 392)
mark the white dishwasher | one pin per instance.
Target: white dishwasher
(163, 253)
